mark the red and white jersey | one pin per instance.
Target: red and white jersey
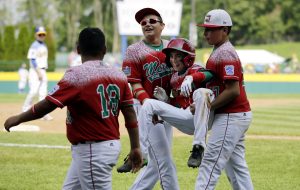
(179, 100)
(225, 65)
(93, 93)
(147, 66)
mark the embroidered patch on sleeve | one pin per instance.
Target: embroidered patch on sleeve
(229, 70)
(127, 71)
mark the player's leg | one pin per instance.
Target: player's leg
(43, 90)
(34, 84)
(236, 167)
(72, 180)
(160, 164)
(95, 162)
(202, 98)
(126, 167)
(226, 132)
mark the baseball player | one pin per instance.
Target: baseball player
(23, 75)
(145, 67)
(94, 93)
(37, 78)
(225, 147)
(180, 55)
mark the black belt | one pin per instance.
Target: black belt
(87, 142)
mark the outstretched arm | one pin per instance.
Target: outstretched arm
(135, 154)
(37, 111)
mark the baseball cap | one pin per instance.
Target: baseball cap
(40, 30)
(144, 12)
(216, 18)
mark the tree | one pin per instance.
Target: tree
(9, 42)
(22, 43)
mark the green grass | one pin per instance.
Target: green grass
(273, 163)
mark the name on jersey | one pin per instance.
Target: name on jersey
(156, 71)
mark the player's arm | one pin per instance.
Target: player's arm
(36, 68)
(231, 91)
(37, 111)
(132, 128)
(139, 92)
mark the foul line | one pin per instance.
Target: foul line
(35, 146)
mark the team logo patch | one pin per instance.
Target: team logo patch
(127, 71)
(229, 70)
(55, 88)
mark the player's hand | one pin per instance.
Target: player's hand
(136, 159)
(11, 122)
(160, 94)
(192, 109)
(186, 86)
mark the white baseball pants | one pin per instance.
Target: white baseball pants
(91, 166)
(226, 150)
(156, 138)
(35, 87)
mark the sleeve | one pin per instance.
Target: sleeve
(127, 98)
(131, 65)
(65, 91)
(229, 65)
(32, 52)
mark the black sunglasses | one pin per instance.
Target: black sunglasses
(151, 21)
(40, 35)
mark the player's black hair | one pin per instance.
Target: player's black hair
(91, 41)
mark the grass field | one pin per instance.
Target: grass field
(272, 144)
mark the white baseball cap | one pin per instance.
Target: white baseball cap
(216, 18)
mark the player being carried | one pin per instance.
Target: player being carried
(188, 77)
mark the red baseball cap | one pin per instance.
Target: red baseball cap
(144, 12)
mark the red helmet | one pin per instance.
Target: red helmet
(184, 46)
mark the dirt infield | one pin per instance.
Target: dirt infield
(57, 125)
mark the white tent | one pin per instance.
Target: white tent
(259, 57)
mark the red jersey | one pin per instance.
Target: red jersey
(147, 66)
(179, 100)
(93, 93)
(225, 64)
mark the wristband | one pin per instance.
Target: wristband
(131, 124)
(142, 96)
(198, 77)
(135, 91)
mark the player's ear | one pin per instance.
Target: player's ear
(225, 29)
(104, 50)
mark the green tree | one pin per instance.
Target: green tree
(22, 44)
(51, 49)
(1, 46)
(9, 43)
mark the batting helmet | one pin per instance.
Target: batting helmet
(184, 46)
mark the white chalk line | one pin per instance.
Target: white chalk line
(35, 146)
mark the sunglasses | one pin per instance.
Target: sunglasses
(150, 21)
(42, 35)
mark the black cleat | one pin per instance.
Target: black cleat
(196, 156)
(126, 167)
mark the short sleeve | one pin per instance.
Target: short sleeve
(229, 65)
(131, 65)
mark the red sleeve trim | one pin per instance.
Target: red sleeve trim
(133, 79)
(55, 101)
(142, 96)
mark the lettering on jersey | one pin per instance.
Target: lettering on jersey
(155, 71)
(55, 88)
(127, 71)
(229, 70)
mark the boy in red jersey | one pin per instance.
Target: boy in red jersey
(180, 55)
(225, 147)
(94, 93)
